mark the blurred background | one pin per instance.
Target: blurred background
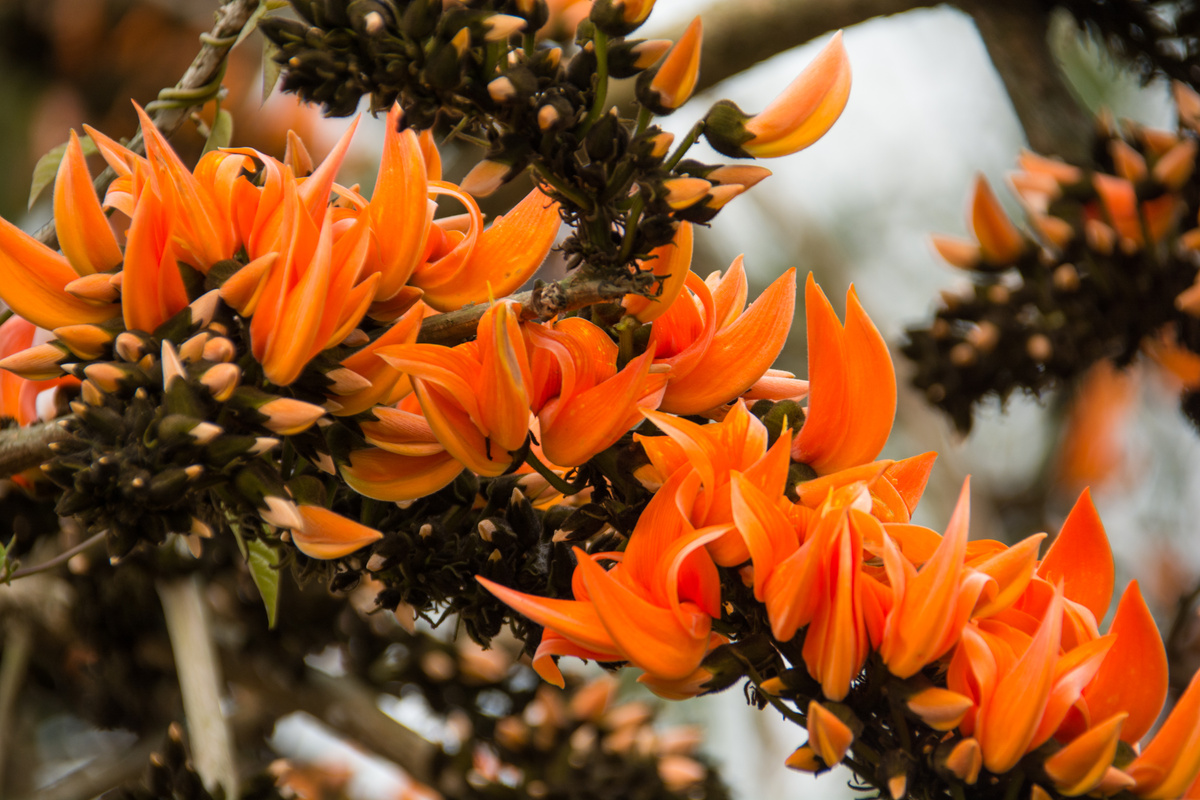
(928, 111)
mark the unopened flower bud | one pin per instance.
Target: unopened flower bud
(222, 379)
(486, 177)
(97, 287)
(670, 85)
(620, 17)
(629, 57)
(37, 363)
(499, 27)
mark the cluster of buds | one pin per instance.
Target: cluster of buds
(502, 729)
(480, 69)
(1105, 269)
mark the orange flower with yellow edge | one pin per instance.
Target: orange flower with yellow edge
(799, 116)
(852, 386)
(717, 351)
(653, 609)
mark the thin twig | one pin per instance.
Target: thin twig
(205, 68)
(200, 683)
(61, 558)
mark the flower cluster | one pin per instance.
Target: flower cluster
(608, 463)
(1102, 271)
(995, 653)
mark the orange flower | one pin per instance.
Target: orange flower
(1021, 686)
(471, 266)
(799, 116)
(713, 453)
(1133, 678)
(1080, 766)
(327, 535)
(715, 350)
(474, 396)
(852, 386)
(387, 386)
(653, 609)
(670, 86)
(33, 278)
(816, 582)
(1092, 450)
(401, 214)
(828, 736)
(583, 404)
(931, 605)
(998, 241)
(1171, 761)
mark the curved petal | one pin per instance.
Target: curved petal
(506, 255)
(1081, 558)
(1133, 677)
(400, 212)
(32, 277)
(83, 230)
(327, 534)
(576, 620)
(650, 636)
(739, 354)
(388, 476)
(806, 109)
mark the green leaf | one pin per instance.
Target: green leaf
(6, 567)
(270, 68)
(221, 132)
(47, 167)
(264, 563)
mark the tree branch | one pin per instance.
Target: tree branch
(346, 705)
(541, 303)
(200, 683)
(18, 646)
(192, 91)
(29, 447)
(1015, 33)
(740, 35)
